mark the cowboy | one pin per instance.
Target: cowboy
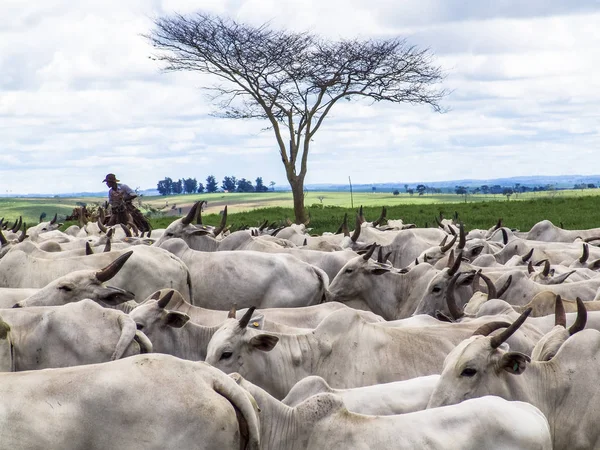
(118, 192)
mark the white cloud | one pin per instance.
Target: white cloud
(80, 97)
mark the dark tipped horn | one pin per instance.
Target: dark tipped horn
(546, 270)
(380, 255)
(530, 268)
(492, 293)
(223, 223)
(361, 217)
(452, 270)
(14, 228)
(462, 240)
(54, 219)
(191, 215)
(381, 217)
(450, 259)
(88, 249)
(243, 323)
(560, 317)
(357, 228)
(22, 236)
(264, 224)
(440, 224)
(504, 236)
(126, 230)
(3, 240)
(444, 241)
(101, 226)
(502, 337)
(490, 327)
(107, 246)
(585, 255)
(449, 245)
(499, 224)
(506, 285)
(369, 253)
(528, 256)
(164, 300)
(199, 213)
(113, 268)
(341, 227)
(581, 318)
(451, 299)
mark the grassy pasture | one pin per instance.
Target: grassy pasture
(575, 209)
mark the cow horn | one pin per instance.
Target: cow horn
(344, 226)
(232, 311)
(113, 268)
(462, 240)
(416, 261)
(243, 323)
(504, 236)
(499, 224)
(476, 278)
(560, 317)
(53, 221)
(108, 246)
(126, 230)
(191, 215)
(277, 230)
(369, 253)
(454, 268)
(499, 339)
(164, 300)
(221, 226)
(155, 295)
(490, 286)
(506, 285)
(22, 236)
(528, 256)
(444, 241)
(88, 249)
(264, 224)
(585, 255)
(199, 213)
(448, 246)
(16, 225)
(581, 317)
(357, 228)
(340, 228)
(451, 259)
(530, 268)
(101, 226)
(3, 240)
(381, 217)
(451, 299)
(546, 270)
(380, 256)
(590, 239)
(361, 217)
(439, 223)
(490, 327)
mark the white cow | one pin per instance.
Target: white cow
(148, 402)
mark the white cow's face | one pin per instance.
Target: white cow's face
(435, 295)
(232, 348)
(357, 279)
(74, 287)
(151, 317)
(475, 369)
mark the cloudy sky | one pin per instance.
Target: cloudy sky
(80, 97)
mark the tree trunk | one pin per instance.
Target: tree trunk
(297, 185)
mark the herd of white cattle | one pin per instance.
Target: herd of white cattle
(392, 337)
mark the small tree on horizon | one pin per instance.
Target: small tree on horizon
(211, 184)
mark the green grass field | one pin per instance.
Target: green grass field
(575, 209)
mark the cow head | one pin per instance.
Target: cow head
(235, 347)
(82, 284)
(481, 365)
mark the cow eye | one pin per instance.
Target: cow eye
(226, 355)
(170, 234)
(468, 372)
(65, 288)
(348, 270)
(436, 289)
(139, 326)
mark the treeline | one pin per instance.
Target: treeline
(168, 186)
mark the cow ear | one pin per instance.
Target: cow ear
(514, 362)
(595, 265)
(379, 271)
(176, 319)
(264, 342)
(475, 251)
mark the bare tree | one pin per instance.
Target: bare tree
(292, 79)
